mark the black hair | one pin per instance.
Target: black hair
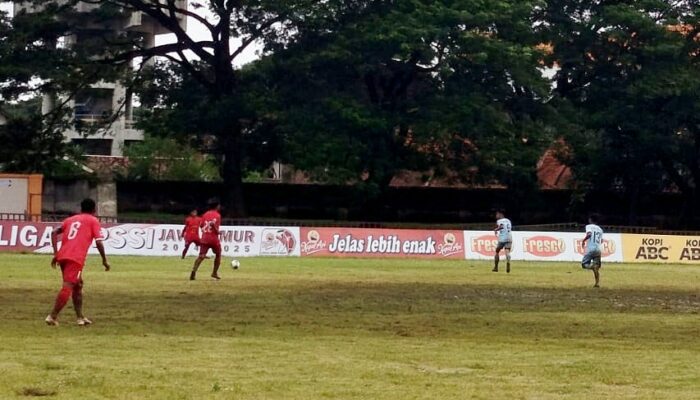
(88, 206)
(213, 203)
(501, 211)
(594, 218)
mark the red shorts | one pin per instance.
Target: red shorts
(72, 271)
(191, 239)
(215, 247)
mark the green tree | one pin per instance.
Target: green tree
(175, 105)
(30, 146)
(352, 88)
(35, 59)
(30, 143)
(630, 72)
(30, 52)
(452, 87)
(167, 159)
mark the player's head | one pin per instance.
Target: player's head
(500, 213)
(593, 219)
(88, 206)
(193, 212)
(214, 204)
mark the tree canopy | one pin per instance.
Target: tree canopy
(358, 90)
(444, 86)
(32, 51)
(630, 70)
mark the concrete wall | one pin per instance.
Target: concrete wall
(107, 199)
(65, 196)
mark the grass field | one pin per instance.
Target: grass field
(352, 329)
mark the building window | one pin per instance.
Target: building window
(129, 143)
(95, 147)
(93, 106)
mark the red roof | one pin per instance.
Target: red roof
(551, 173)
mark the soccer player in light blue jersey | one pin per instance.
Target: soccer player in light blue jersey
(505, 239)
(592, 244)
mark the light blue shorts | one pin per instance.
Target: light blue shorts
(590, 259)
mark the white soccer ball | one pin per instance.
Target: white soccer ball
(235, 264)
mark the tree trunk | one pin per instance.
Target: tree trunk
(382, 172)
(232, 173)
(686, 187)
(695, 171)
(230, 132)
(633, 201)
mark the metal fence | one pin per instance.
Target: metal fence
(177, 220)
(47, 218)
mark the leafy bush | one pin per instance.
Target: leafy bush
(165, 159)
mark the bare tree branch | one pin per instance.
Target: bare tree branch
(157, 5)
(170, 22)
(256, 34)
(190, 14)
(196, 74)
(162, 50)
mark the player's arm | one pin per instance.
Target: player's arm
(97, 235)
(101, 250)
(587, 238)
(54, 244)
(498, 228)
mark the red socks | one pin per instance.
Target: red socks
(62, 298)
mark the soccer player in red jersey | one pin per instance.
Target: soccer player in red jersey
(210, 224)
(78, 233)
(191, 231)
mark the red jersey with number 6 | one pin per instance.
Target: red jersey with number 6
(211, 221)
(79, 231)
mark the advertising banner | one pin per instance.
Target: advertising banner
(661, 249)
(252, 241)
(23, 236)
(402, 243)
(539, 246)
(157, 240)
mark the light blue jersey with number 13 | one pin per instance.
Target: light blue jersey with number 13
(596, 240)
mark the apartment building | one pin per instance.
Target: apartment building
(95, 105)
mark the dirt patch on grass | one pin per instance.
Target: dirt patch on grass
(36, 392)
